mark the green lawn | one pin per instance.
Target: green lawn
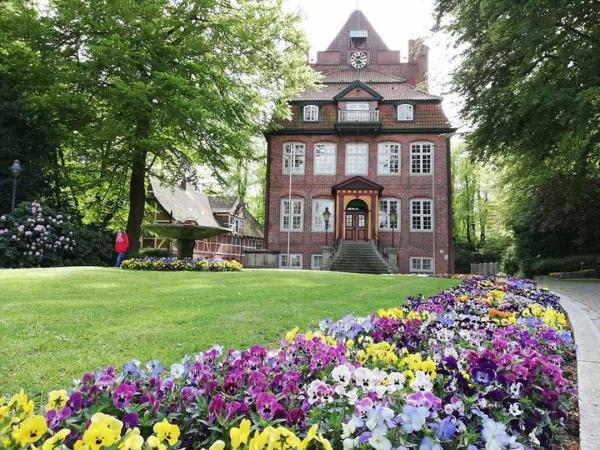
(55, 324)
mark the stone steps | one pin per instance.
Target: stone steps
(358, 257)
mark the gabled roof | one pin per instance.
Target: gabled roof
(188, 205)
(357, 21)
(358, 85)
(357, 182)
(185, 205)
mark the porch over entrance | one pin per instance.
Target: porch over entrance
(357, 202)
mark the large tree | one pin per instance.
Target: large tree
(530, 77)
(161, 86)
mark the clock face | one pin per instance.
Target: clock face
(358, 60)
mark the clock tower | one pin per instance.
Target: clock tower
(358, 46)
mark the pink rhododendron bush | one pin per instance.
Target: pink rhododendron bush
(479, 366)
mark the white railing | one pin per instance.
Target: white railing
(358, 116)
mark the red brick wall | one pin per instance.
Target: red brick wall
(403, 186)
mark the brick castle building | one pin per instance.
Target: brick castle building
(371, 147)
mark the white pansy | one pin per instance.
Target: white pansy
(342, 375)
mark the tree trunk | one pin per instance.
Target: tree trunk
(137, 200)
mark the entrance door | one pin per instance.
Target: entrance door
(357, 221)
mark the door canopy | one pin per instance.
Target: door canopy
(358, 194)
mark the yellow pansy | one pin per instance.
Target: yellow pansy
(132, 441)
(258, 441)
(165, 430)
(240, 435)
(154, 443)
(99, 435)
(218, 445)
(290, 335)
(80, 445)
(21, 404)
(56, 400)
(110, 422)
(30, 430)
(313, 436)
(56, 440)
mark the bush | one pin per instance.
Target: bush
(36, 236)
(156, 253)
(33, 236)
(565, 264)
(586, 273)
(95, 247)
(178, 265)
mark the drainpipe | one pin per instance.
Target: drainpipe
(433, 210)
(291, 162)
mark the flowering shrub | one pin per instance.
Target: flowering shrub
(33, 236)
(480, 366)
(176, 264)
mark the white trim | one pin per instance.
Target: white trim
(326, 146)
(384, 147)
(310, 113)
(282, 214)
(412, 153)
(354, 146)
(422, 215)
(298, 151)
(420, 269)
(292, 257)
(398, 212)
(313, 266)
(408, 112)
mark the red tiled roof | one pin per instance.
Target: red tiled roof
(366, 76)
(389, 91)
(357, 21)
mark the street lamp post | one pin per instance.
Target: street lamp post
(393, 219)
(326, 217)
(15, 170)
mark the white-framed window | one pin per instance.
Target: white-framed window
(421, 157)
(236, 224)
(387, 206)
(292, 215)
(293, 156)
(310, 113)
(318, 208)
(325, 159)
(316, 261)
(405, 112)
(357, 158)
(421, 215)
(295, 261)
(388, 158)
(421, 265)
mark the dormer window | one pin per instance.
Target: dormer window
(311, 113)
(405, 112)
(358, 38)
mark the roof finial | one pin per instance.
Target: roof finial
(357, 5)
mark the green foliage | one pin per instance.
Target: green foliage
(585, 273)
(565, 264)
(95, 247)
(531, 87)
(156, 253)
(154, 87)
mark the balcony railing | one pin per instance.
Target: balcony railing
(345, 116)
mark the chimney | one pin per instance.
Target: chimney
(418, 56)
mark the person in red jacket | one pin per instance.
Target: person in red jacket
(121, 246)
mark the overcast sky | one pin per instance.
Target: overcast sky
(396, 21)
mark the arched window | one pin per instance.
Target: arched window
(405, 112)
(311, 113)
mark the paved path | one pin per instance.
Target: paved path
(581, 300)
(585, 293)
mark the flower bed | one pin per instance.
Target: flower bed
(478, 366)
(177, 264)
